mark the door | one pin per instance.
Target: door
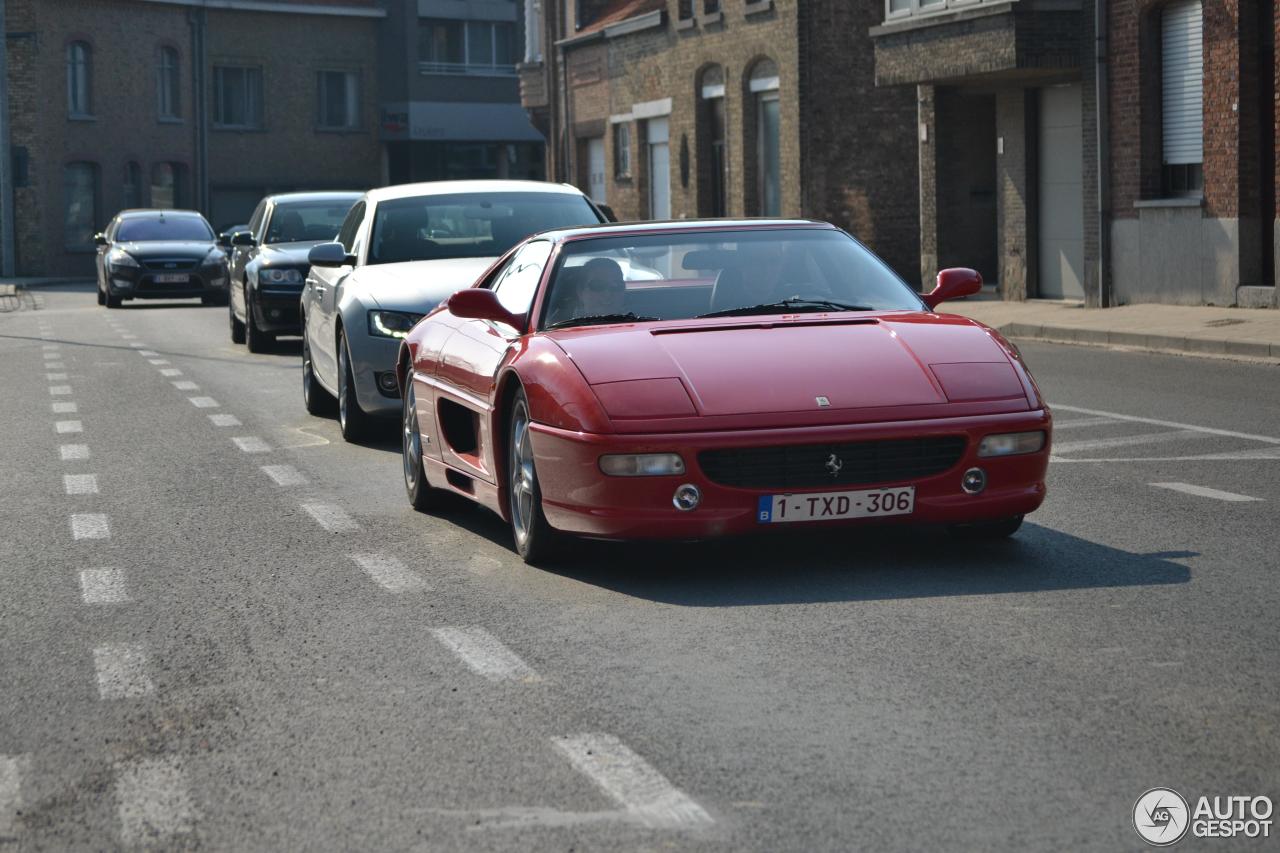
(595, 169)
(1061, 194)
(659, 169)
(319, 302)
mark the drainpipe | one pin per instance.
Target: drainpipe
(200, 112)
(1101, 90)
(7, 253)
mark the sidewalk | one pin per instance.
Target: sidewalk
(1252, 333)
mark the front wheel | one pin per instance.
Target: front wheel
(317, 400)
(256, 339)
(237, 328)
(422, 495)
(1000, 529)
(536, 540)
(354, 421)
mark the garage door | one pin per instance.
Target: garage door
(1061, 222)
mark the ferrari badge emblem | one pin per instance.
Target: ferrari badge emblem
(834, 464)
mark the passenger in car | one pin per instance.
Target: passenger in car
(597, 288)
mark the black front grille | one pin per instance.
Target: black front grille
(809, 466)
(163, 265)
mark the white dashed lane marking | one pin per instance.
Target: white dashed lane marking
(59, 390)
(485, 654)
(140, 346)
(103, 586)
(186, 385)
(73, 452)
(64, 427)
(50, 347)
(148, 353)
(203, 402)
(55, 365)
(90, 525)
(122, 671)
(65, 408)
(171, 371)
(284, 475)
(389, 572)
(332, 518)
(80, 484)
(153, 802)
(225, 420)
(251, 444)
(644, 793)
(130, 337)
(55, 377)
(1204, 492)
(158, 361)
(12, 769)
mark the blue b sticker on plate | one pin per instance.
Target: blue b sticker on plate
(764, 509)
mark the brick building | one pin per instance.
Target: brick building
(684, 108)
(122, 103)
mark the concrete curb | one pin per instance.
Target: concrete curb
(35, 284)
(1221, 347)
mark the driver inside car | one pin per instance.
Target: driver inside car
(595, 289)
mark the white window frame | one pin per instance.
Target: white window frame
(79, 79)
(169, 85)
(351, 98)
(924, 8)
(467, 66)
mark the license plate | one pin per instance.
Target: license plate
(831, 506)
(172, 278)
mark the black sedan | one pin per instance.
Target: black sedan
(269, 262)
(160, 254)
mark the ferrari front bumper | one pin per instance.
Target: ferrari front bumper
(578, 498)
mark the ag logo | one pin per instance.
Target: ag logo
(1161, 817)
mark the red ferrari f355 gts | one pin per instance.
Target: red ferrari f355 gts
(686, 380)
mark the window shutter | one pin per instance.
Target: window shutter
(1182, 84)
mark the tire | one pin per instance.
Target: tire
(422, 495)
(1001, 529)
(113, 301)
(536, 541)
(255, 338)
(315, 398)
(102, 297)
(352, 419)
(237, 328)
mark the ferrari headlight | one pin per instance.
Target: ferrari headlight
(120, 259)
(279, 276)
(642, 464)
(1012, 444)
(391, 324)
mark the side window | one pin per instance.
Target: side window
(516, 289)
(350, 226)
(255, 221)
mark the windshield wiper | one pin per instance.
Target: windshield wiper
(788, 305)
(600, 318)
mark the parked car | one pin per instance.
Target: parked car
(399, 253)
(160, 254)
(779, 375)
(269, 262)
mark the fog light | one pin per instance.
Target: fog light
(974, 481)
(121, 283)
(687, 497)
(275, 313)
(1011, 444)
(387, 381)
(642, 464)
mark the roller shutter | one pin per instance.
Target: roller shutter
(1182, 62)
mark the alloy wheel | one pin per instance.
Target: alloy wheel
(523, 475)
(343, 386)
(411, 440)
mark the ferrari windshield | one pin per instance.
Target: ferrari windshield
(471, 225)
(721, 273)
(145, 229)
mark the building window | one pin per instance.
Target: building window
(237, 98)
(132, 185)
(684, 10)
(168, 186)
(622, 150)
(466, 47)
(168, 88)
(80, 199)
(1182, 97)
(763, 88)
(710, 7)
(712, 199)
(339, 104)
(79, 79)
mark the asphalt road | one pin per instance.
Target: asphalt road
(225, 629)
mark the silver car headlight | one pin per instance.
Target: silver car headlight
(391, 324)
(280, 276)
(1012, 444)
(120, 259)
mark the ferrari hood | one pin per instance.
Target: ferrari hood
(418, 286)
(755, 366)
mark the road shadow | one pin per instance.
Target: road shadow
(802, 567)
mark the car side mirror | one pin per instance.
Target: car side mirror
(609, 215)
(954, 284)
(99, 239)
(242, 238)
(476, 303)
(330, 255)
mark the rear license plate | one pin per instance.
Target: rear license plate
(831, 506)
(171, 278)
